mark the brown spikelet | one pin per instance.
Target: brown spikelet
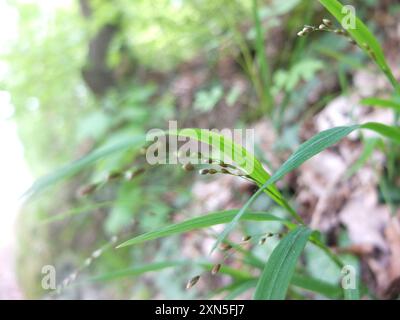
(223, 164)
(216, 269)
(225, 247)
(86, 190)
(204, 171)
(192, 282)
(114, 175)
(327, 22)
(188, 167)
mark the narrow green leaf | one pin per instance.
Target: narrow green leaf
(74, 167)
(262, 56)
(317, 286)
(76, 211)
(199, 223)
(307, 150)
(226, 149)
(381, 103)
(242, 157)
(364, 38)
(279, 269)
(136, 270)
(352, 294)
(390, 132)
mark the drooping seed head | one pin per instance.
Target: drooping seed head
(192, 282)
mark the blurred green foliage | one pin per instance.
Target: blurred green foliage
(60, 119)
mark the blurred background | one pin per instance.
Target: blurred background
(78, 75)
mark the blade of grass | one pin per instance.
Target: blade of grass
(315, 285)
(262, 58)
(275, 279)
(74, 167)
(301, 281)
(364, 38)
(381, 103)
(136, 270)
(199, 223)
(76, 211)
(242, 157)
(307, 150)
(390, 132)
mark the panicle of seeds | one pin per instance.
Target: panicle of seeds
(326, 25)
(87, 262)
(192, 282)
